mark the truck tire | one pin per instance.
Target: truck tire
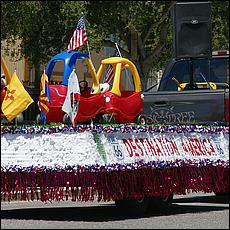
(133, 206)
(160, 202)
(223, 196)
(221, 193)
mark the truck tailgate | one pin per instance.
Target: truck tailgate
(185, 107)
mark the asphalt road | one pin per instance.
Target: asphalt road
(192, 211)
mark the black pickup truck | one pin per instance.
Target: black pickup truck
(191, 91)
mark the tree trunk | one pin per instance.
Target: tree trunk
(37, 76)
(134, 46)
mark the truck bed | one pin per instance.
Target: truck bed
(203, 106)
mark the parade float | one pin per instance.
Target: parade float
(132, 163)
(121, 144)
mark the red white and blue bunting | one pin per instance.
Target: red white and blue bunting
(113, 128)
(112, 162)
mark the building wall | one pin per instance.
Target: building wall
(27, 75)
(81, 68)
(12, 65)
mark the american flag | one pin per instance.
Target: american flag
(79, 37)
(109, 74)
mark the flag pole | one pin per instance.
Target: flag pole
(72, 109)
(87, 39)
(126, 72)
(5, 70)
(44, 79)
(118, 49)
(88, 49)
(72, 104)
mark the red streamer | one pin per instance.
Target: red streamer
(112, 185)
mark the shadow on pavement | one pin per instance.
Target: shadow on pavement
(109, 212)
(216, 199)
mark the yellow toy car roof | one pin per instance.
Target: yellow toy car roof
(116, 60)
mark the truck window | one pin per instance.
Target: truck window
(214, 70)
(201, 70)
(219, 70)
(180, 70)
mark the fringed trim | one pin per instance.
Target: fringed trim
(112, 185)
(121, 128)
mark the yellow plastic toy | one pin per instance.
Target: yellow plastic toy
(118, 63)
(200, 85)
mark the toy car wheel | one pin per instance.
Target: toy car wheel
(38, 119)
(141, 120)
(66, 119)
(107, 119)
(133, 206)
(19, 118)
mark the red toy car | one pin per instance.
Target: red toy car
(90, 104)
(123, 103)
(121, 90)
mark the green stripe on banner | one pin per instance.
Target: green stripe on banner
(100, 146)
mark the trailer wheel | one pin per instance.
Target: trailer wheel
(133, 206)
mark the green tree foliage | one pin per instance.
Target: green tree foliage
(43, 27)
(146, 27)
(143, 27)
(220, 25)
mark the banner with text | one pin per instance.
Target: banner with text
(129, 147)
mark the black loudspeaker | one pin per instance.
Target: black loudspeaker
(192, 29)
